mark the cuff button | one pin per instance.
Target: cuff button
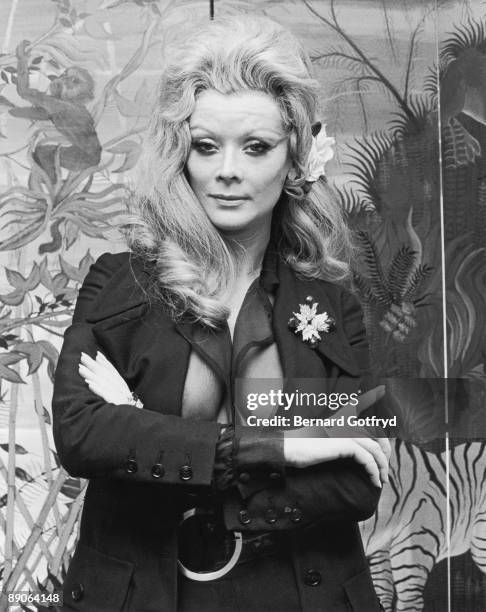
(271, 516)
(158, 470)
(275, 475)
(244, 477)
(296, 515)
(244, 517)
(185, 472)
(131, 466)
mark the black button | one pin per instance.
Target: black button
(131, 466)
(77, 592)
(185, 473)
(158, 470)
(244, 517)
(275, 475)
(296, 515)
(271, 516)
(312, 577)
(244, 477)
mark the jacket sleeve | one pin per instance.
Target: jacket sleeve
(95, 438)
(333, 490)
(330, 491)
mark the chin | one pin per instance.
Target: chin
(231, 228)
(231, 222)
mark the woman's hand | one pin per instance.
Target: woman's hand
(372, 454)
(104, 380)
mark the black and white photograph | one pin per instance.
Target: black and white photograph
(243, 305)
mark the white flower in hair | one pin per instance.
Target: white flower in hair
(321, 152)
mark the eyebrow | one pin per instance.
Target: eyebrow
(247, 134)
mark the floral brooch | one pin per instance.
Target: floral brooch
(308, 323)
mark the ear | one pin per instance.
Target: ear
(292, 173)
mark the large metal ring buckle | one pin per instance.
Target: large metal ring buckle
(222, 571)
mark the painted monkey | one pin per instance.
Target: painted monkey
(65, 107)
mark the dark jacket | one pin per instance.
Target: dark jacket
(126, 558)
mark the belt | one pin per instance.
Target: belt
(261, 546)
(225, 549)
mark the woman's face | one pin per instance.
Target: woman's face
(239, 158)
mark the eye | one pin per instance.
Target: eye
(204, 147)
(257, 148)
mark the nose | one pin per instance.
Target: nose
(230, 168)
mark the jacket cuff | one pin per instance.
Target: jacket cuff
(258, 459)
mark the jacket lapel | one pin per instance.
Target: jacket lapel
(299, 360)
(204, 342)
(140, 339)
(125, 298)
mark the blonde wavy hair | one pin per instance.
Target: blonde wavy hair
(194, 263)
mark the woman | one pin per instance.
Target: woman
(233, 236)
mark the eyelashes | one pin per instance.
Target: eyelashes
(203, 147)
(258, 147)
(254, 148)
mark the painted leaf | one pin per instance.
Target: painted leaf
(50, 353)
(23, 475)
(132, 154)
(56, 458)
(21, 284)
(33, 354)
(4, 103)
(6, 372)
(46, 416)
(28, 234)
(20, 450)
(57, 283)
(14, 298)
(74, 273)
(71, 233)
(71, 487)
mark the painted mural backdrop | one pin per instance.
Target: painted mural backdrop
(404, 91)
